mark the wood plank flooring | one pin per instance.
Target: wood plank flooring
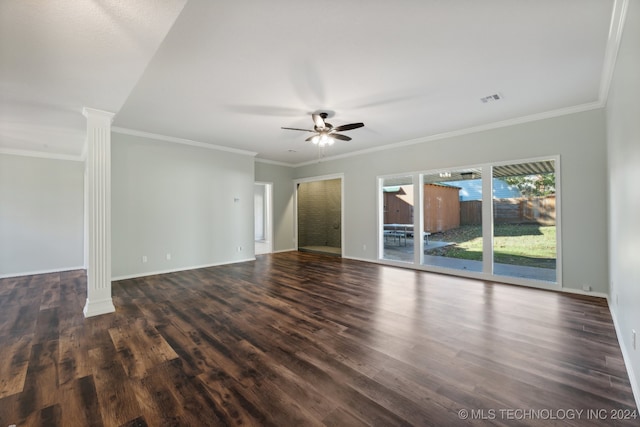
(299, 339)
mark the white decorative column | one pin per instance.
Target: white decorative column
(98, 205)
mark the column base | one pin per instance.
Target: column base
(96, 308)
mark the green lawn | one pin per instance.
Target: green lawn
(520, 244)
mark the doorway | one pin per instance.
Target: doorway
(263, 230)
(319, 215)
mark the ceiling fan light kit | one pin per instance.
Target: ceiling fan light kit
(321, 140)
(325, 133)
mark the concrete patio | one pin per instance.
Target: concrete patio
(404, 252)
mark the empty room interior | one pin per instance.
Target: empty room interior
(319, 213)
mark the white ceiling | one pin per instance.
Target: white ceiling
(232, 73)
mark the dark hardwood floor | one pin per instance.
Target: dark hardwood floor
(297, 339)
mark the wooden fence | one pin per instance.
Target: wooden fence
(441, 207)
(533, 210)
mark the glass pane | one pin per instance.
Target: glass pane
(524, 220)
(453, 219)
(397, 228)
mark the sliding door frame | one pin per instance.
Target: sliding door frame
(487, 224)
(296, 183)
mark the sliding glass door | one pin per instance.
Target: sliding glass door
(452, 217)
(397, 234)
(524, 220)
(493, 220)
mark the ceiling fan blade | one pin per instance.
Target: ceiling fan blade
(303, 130)
(348, 127)
(338, 136)
(311, 137)
(318, 121)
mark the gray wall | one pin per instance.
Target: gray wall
(623, 126)
(319, 213)
(177, 199)
(282, 179)
(41, 215)
(578, 138)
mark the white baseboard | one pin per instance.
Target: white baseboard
(359, 259)
(175, 270)
(33, 273)
(481, 276)
(586, 293)
(635, 387)
(284, 250)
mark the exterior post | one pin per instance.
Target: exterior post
(98, 206)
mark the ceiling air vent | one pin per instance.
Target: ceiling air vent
(491, 98)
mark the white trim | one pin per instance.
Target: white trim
(585, 293)
(273, 162)
(503, 280)
(635, 387)
(33, 273)
(475, 129)
(379, 218)
(183, 141)
(268, 223)
(93, 112)
(96, 308)
(176, 270)
(618, 16)
(489, 126)
(353, 258)
(279, 251)
(487, 272)
(41, 154)
(319, 178)
(559, 255)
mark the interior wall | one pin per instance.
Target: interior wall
(319, 213)
(578, 138)
(190, 204)
(41, 215)
(282, 179)
(623, 132)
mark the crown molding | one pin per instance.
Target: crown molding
(133, 132)
(41, 154)
(618, 16)
(475, 129)
(274, 162)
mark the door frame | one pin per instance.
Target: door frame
(296, 183)
(268, 213)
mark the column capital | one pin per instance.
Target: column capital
(92, 112)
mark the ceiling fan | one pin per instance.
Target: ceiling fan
(325, 133)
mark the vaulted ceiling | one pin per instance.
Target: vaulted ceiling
(233, 73)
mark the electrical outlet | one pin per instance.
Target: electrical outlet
(144, 258)
(586, 288)
(633, 338)
(364, 248)
(239, 248)
(168, 257)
